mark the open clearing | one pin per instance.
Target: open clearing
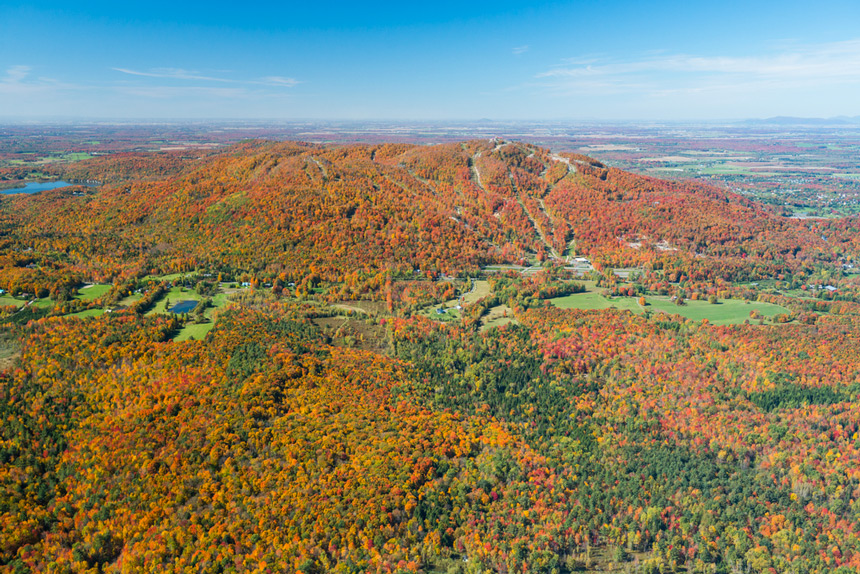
(194, 331)
(197, 331)
(451, 312)
(92, 292)
(726, 312)
(591, 300)
(87, 313)
(352, 332)
(131, 299)
(498, 316)
(5, 301)
(368, 307)
(351, 308)
(168, 277)
(10, 349)
(173, 296)
(480, 290)
(191, 330)
(43, 303)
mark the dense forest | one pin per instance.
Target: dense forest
(355, 215)
(336, 418)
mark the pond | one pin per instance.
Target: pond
(36, 186)
(184, 306)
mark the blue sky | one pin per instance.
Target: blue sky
(430, 61)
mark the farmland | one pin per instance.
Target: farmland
(724, 312)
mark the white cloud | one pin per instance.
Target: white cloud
(181, 74)
(520, 50)
(15, 74)
(19, 82)
(279, 81)
(822, 65)
(171, 73)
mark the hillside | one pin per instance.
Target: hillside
(380, 376)
(326, 212)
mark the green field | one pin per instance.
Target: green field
(43, 303)
(76, 156)
(174, 296)
(191, 330)
(726, 312)
(591, 300)
(131, 299)
(87, 313)
(52, 158)
(92, 292)
(481, 290)
(498, 316)
(451, 313)
(168, 277)
(194, 331)
(735, 170)
(5, 300)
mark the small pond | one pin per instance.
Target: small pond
(184, 306)
(36, 186)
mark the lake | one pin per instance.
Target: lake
(37, 186)
(183, 307)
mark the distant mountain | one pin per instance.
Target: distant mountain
(795, 121)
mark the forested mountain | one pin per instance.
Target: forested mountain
(336, 418)
(328, 212)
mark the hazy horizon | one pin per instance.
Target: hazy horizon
(262, 122)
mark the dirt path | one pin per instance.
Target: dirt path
(560, 256)
(476, 175)
(319, 165)
(564, 160)
(539, 231)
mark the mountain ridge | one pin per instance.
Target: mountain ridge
(291, 207)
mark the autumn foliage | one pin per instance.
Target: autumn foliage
(566, 441)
